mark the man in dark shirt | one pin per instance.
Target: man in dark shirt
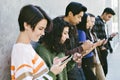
(73, 15)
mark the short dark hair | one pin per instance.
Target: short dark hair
(49, 21)
(75, 8)
(109, 10)
(31, 15)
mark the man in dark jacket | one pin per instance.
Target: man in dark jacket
(73, 14)
(99, 28)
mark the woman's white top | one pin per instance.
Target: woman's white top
(26, 64)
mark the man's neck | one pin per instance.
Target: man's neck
(102, 17)
(66, 19)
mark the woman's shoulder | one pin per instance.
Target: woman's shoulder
(22, 50)
(42, 48)
(20, 47)
(81, 32)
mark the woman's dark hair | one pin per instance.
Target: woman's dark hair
(91, 15)
(82, 24)
(49, 21)
(31, 15)
(52, 39)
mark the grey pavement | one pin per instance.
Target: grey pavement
(114, 64)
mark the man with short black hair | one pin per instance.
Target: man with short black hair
(73, 14)
(99, 28)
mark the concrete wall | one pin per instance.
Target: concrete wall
(119, 17)
(9, 10)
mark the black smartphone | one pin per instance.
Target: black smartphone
(67, 59)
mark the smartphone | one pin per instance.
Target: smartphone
(67, 59)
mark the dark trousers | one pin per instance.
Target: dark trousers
(87, 65)
(76, 74)
(103, 60)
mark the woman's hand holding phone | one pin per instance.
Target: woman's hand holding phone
(57, 66)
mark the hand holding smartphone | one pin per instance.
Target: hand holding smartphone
(113, 34)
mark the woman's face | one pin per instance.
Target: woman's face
(39, 30)
(92, 22)
(65, 35)
(88, 24)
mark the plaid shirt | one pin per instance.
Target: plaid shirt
(99, 29)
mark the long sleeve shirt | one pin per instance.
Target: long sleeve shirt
(82, 37)
(48, 57)
(26, 64)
